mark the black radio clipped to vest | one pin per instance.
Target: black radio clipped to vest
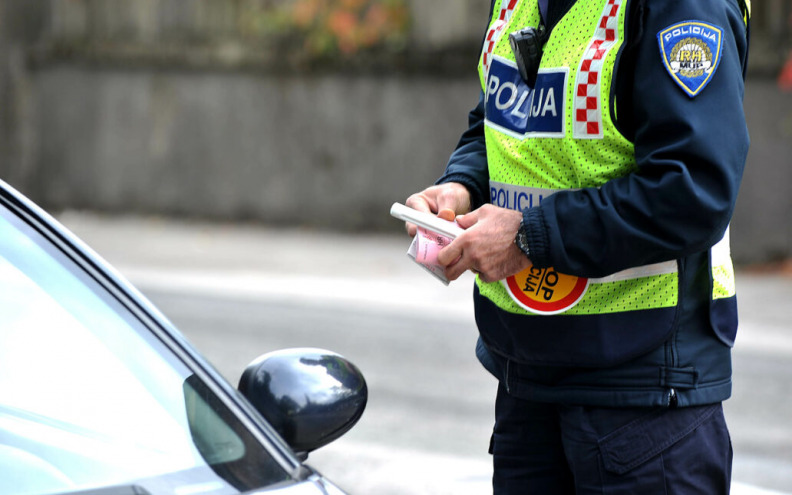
(527, 44)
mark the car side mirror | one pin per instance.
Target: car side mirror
(310, 396)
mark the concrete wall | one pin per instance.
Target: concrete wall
(329, 148)
(333, 150)
(762, 224)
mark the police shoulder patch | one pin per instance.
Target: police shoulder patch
(691, 51)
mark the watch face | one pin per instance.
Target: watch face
(522, 241)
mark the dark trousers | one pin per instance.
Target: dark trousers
(550, 449)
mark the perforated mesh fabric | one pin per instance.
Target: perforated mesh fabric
(723, 284)
(561, 163)
(612, 297)
(567, 163)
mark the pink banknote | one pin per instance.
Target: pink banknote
(424, 248)
(429, 244)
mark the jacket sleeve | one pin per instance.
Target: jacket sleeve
(690, 154)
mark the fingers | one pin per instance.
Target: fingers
(447, 214)
(452, 196)
(456, 270)
(446, 200)
(486, 247)
(450, 255)
(455, 261)
(422, 202)
(469, 220)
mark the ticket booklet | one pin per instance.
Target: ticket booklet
(433, 234)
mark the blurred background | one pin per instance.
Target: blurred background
(309, 112)
(236, 159)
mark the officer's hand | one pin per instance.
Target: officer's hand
(445, 200)
(487, 246)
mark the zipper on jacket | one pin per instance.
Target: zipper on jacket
(672, 398)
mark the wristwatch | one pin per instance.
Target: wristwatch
(521, 239)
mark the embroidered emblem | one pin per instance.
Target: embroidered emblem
(691, 51)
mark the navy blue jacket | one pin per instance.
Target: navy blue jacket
(690, 154)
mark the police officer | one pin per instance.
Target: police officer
(596, 182)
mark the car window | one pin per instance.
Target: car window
(89, 397)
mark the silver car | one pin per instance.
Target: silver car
(99, 393)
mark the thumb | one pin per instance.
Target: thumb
(447, 214)
(467, 221)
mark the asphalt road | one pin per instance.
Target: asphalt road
(238, 291)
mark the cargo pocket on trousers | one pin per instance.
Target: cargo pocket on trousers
(641, 440)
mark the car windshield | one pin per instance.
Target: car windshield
(90, 398)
